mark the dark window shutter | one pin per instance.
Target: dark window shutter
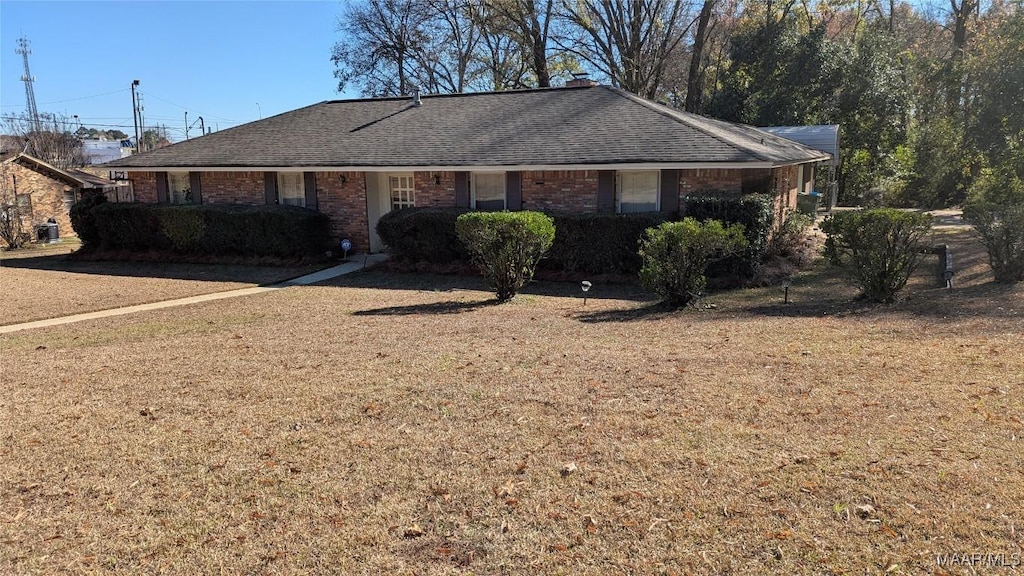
(195, 183)
(310, 181)
(270, 186)
(669, 190)
(513, 191)
(606, 191)
(161, 187)
(462, 189)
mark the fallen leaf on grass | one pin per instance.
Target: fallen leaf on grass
(413, 531)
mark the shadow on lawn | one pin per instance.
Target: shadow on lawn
(248, 273)
(393, 280)
(653, 311)
(431, 308)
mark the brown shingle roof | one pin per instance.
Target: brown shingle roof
(547, 127)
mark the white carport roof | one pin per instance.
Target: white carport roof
(824, 137)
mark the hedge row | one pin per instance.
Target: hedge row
(210, 229)
(600, 243)
(423, 235)
(756, 212)
(587, 243)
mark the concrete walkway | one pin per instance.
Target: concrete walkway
(357, 262)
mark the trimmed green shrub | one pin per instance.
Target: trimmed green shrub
(878, 248)
(423, 234)
(1001, 228)
(756, 212)
(996, 210)
(676, 256)
(83, 221)
(600, 243)
(506, 246)
(212, 229)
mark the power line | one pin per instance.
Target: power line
(151, 95)
(70, 99)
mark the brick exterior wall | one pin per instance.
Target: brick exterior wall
(548, 191)
(785, 183)
(144, 186)
(434, 195)
(345, 204)
(46, 196)
(711, 180)
(560, 190)
(231, 188)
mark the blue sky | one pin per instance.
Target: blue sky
(213, 59)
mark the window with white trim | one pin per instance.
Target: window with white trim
(291, 189)
(403, 192)
(179, 189)
(488, 191)
(637, 191)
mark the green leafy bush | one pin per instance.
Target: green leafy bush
(83, 221)
(212, 229)
(676, 256)
(791, 235)
(996, 210)
(756, 212)
(506, 246)
(1001, 228)
(423, 234)
(600, 243)
(878, 248)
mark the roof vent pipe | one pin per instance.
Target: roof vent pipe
(416, 96)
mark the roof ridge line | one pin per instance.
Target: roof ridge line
(458, 94)
(678, 117)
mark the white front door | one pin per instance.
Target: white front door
(403, 190)
(386, 192)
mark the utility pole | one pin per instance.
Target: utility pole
(142, 119)
(199, 120)
(135, 118)
(28, 79)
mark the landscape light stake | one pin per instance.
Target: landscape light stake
(586, 286)
(785, 286)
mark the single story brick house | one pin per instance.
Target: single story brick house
(43, 191)
(581, 148)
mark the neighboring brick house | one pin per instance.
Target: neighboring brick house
(584, 148)
(43, 191)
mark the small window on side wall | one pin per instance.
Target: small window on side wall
(488, 191)
(291, 190)
(637, 191)
(69, 199)
(179, 189)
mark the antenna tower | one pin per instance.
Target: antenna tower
(28, 79)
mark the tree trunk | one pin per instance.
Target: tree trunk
(695, 78)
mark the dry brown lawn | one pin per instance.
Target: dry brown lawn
(399, 424)
(41, 282)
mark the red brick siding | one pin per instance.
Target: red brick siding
(431, 194)
(710, 180)
(233, 188)
(785, 182)
(46, 194)
(560, 190)
(345, 204)
(143, 186)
